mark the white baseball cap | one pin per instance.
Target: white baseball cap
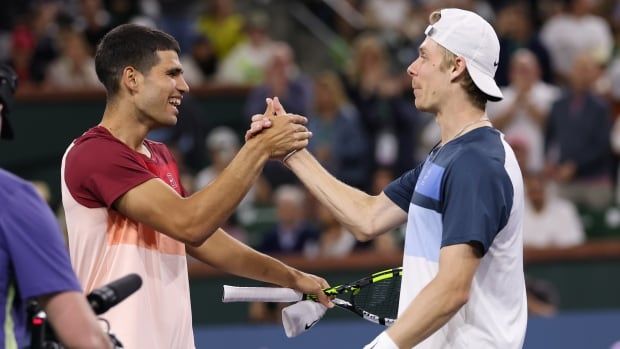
(468, 35)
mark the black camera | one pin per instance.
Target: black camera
(8, 85)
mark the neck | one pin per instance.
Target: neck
(123, 122)
(455, 122)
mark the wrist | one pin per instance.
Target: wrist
(288, 156)
(292, 281)
(256, 146)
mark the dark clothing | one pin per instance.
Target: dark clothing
(507, 49)
(347, 144)
(273, 241)
(578, 130)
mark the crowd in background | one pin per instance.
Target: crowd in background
(559, 69)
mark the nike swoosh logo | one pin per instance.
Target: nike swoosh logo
(311, 324)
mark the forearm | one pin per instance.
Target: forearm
(228, 254)
(429, 311)
(73, 321)
(351, 206)
(208, 209)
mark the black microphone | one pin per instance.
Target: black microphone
(106, 297)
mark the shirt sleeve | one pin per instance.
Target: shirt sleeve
(478, 197)
(35, 247)
(401, 189)
(98, 172)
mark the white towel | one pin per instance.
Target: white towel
(301, 316)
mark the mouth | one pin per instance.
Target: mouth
(175, 102)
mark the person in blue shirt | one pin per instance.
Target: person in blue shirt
(34, 263)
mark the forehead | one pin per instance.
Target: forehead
(168, 59)
(429, 46)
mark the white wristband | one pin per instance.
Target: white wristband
(289, 155)
(383, 341)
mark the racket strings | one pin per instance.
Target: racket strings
(380, 298)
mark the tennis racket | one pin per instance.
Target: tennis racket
(374, 297)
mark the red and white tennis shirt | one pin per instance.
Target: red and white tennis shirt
(104, 245)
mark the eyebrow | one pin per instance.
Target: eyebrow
(175, 71)
(422, 50)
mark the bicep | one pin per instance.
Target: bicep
(457, 265)
(155, 204)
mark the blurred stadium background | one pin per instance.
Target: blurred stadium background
(342, 63)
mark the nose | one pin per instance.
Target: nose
(182, 85)
(411, 69)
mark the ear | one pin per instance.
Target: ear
(458, 68)
(131, 79)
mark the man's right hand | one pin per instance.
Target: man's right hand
(262, 121)
(285, 133)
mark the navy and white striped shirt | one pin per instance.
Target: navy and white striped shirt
(470, 191)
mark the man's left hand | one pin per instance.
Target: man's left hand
(312, 284)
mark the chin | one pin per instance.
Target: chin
(419, 106)
(168, 121)
(172, 120)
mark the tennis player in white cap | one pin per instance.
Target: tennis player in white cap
(463, 283)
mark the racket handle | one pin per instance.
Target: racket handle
(260, 294)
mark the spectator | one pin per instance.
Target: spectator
(223, 26)
(516, 31)
(338, 140)
(222, 145)
(93, 21)
(578, 139)
(247, 61)
(33, 42)
(548, 220)
(178, 18)
(334, 240)
(201, 63)
(574, 31)
(285, 81)
(292, 232)
(387, 15)
(387, 118)
(123, 11)
(523, 111)
(74, 67)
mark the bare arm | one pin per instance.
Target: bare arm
(437, 303)
(227, 254)
(73, 320)
(192, 220)
(364, 215)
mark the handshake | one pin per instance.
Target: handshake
(279, 133)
